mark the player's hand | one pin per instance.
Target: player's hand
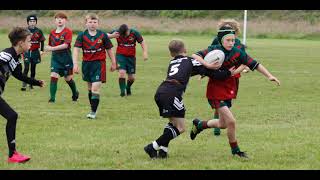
(115, 34)
(76, 69)
(42, 83)
(145, 56)
(113, 67)
(272, 78)
(47, 48)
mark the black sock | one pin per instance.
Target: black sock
(94, 102)
(89, 96)
(170, 132)
(129, 83)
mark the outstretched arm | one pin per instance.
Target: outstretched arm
(216, 65)
(267, 74)
(17, 73)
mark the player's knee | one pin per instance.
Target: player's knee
(12, 117)
(231, 123)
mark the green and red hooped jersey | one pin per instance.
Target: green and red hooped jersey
(226, 89)
(127, 45)
(64, 37)
(93, 47)
(237, 44)
(36, 38)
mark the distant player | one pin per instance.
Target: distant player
(20, 39)
(33, 56)
(61, 60)
(169, 95)
(94, 44)
(126, 56)
(221, 92)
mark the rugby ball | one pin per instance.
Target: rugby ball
(215, 55)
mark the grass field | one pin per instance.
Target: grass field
(277, 126)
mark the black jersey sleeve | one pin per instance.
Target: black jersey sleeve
(17, 73)
(199, 69)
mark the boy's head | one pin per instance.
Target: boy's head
(20, 36)
(60, 19)
(123, 30)
(92, 21)
(226, 37)
(176, 47)
(235, 25)
(32, 20)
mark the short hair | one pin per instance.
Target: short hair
(60, 15)
(235, 25)
(176, 46)
(91, 16)
(18, 34)
(123, 29)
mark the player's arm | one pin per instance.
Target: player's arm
(113, 60)
(17, 73)
(144, 49)
(75, 56)
(199, 69)
(199, 57)
(114, 34)
(267, 74)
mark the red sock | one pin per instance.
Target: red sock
(204, 124)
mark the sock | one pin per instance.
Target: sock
(129, 83)
(234, 147)
(90, 95)
(203, 125)
(94, 102)
(72, 86)
(122, 85)
(11, 133)
(155, 145)
(53, 87)
(170, 132)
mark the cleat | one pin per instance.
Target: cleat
(194, 131)
(91, 115)
(51, 101)
(216, 131)
(23, 89)
(76, 96)
(18, 158)
(122, 94)
(162, 154)
(128, 91)
(241, 154)
(150, 151)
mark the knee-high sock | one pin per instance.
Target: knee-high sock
(89, 96)
(94, 102)
(170, 132)
(53, 87)
(129, 83)
(122, 85)
(72, 86)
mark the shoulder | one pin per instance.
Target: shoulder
(67, 30)
(134, 31)
(5, 55)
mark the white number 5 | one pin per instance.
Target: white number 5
(174, 69)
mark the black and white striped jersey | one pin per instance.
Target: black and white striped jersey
(10, 65)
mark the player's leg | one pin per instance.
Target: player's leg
(53, 86)
(26, 63)
(89, 92)
(11, 116)
(230, 121)
(131, 70)
(33, 70)
(69, 80)
(122, 65)
(95, 99)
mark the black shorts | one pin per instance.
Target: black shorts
(170, 105)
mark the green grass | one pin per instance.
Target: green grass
(277, 126)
